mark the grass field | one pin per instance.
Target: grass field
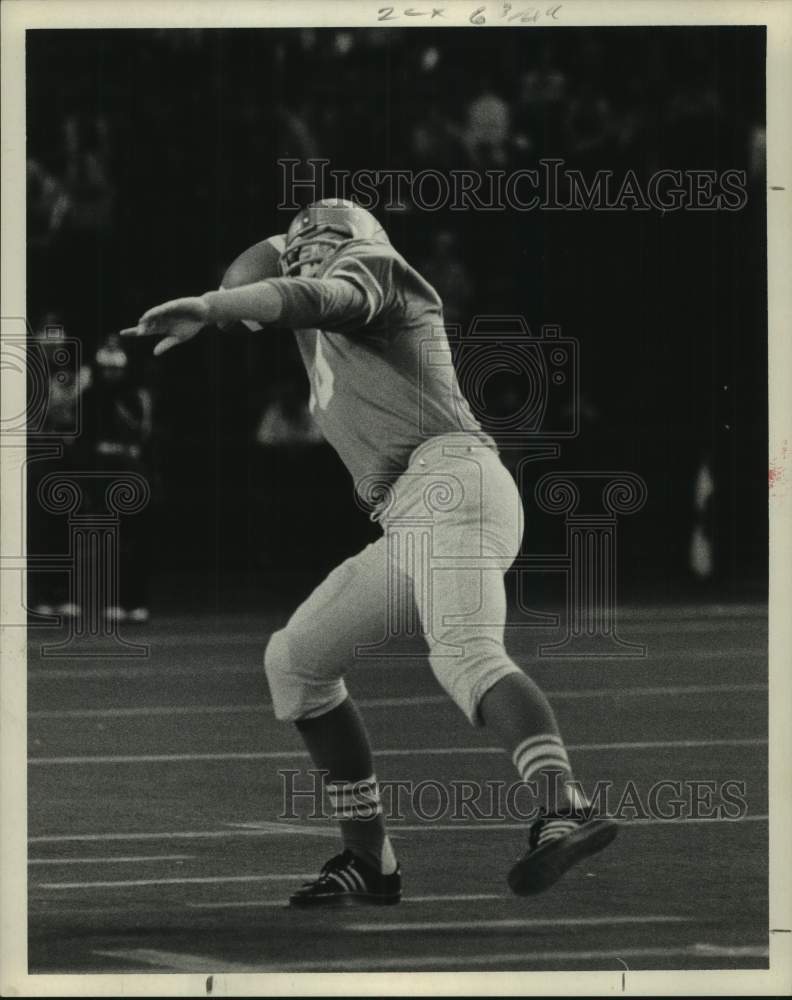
(154, 797)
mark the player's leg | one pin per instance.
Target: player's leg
(305, 663)
(476, 532)
(463, 612)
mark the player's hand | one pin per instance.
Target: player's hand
(177, 321)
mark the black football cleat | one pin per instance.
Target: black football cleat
(557, 842)
(346, 880)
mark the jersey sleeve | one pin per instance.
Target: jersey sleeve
(332, 303)
(359, 293)
(368, 276)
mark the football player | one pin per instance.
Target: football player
(452, 524)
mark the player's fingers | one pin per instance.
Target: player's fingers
(176, 307)
(166, 345)
(145, 328)
(151, 316)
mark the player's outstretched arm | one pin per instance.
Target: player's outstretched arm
(180, 320)
(294, 302)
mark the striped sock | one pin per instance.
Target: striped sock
(339, 745)
(358, 808)
(552, 829)
(542, 760)
(354, 800)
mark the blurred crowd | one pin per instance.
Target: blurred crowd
(127, 149)
(153, 161)
(100, 419)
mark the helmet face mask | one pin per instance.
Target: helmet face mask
(307, 251)
(316, 233)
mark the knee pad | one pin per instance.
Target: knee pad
(298, 691)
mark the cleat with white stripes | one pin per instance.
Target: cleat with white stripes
(347, 880)
(556, 843)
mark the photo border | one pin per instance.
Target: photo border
(17, 16)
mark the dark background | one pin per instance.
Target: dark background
(152, 164)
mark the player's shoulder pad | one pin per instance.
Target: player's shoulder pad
(258, 262)
(367, 268)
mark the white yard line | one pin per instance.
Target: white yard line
(173, 961)
(183, 962)
(141, 672)
(203, 880)
(240, 904)
(510, 924)
(418, 660)
(264, 830)
(529, 957)
(729, 951)
(482, 826)
(169, 758)
(269, 829)
(117, 860)
(154, 711)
